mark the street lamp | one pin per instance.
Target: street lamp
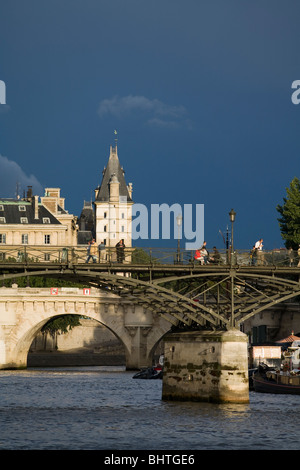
(232, 215)
(179, 222)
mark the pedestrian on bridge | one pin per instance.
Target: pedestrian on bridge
(102, 252)
(260, 257)
(253, 256)
(120, 248)
(201, 254)
(215, 257)
(92, 251)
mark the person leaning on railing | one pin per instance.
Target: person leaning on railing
(102, 252)
(215, 256)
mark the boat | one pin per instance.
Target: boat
(155, 372)
(251, 372)
(286, 379)
(270, 380)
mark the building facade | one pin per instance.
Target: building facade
(32, 221)
(113, 205)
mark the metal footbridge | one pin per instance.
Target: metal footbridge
(224, 291)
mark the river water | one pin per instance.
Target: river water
(104, 408)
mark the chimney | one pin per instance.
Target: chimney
(29, 193)
(35, 201)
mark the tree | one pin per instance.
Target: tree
(61, 324)
(289, 222)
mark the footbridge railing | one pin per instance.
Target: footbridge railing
(26, 254)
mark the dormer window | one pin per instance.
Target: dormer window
(46, 220)
(24, 220)
(1, 207)
(22, 208)
(2, 220)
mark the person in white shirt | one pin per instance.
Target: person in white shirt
(259, 247)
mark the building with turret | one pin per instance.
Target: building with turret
(44, 222)
(113, 204)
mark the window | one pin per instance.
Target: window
(104, 215)
(47, 239)
(2, 220)
(24, 239)
(24, 220)
(105, 228)
(1, 207)
(46, 220)
(123, 215)
(22, 208)
(47, 257)
(2, 238)
(122, 228)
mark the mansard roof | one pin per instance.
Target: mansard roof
(13, 210)
(113, 170)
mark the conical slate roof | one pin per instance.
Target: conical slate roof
(113, 170)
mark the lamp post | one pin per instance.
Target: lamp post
(232, 215)
(179, 222)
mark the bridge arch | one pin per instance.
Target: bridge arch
(24, 311)
(24, 341)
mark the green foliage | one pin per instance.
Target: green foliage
(139, 256)
(61, 324)
(289, 222)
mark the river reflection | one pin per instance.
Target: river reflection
(104, 408)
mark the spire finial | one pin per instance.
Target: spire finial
(116, 137)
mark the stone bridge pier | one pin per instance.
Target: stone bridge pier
(24, 311)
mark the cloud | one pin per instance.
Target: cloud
(154, 112)
(156, 122)
(12, 175)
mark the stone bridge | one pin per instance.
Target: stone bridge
(24, 311)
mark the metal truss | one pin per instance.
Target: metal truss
(203, 297)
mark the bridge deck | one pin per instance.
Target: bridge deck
(176, 269)
(182, 290)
